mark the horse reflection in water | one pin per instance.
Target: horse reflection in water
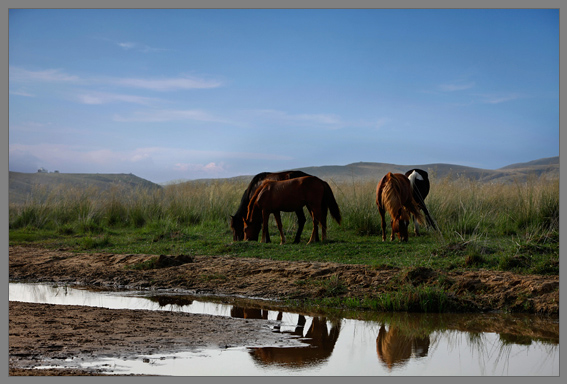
(319, 338)
(395, 347)
(248, 313)
(175, 301)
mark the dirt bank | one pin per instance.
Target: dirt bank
(91, 332)
(474, 290)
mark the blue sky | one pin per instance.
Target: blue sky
(185, 94)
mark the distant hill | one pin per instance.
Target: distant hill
(22, 184)
(363, 171)
(548, 167)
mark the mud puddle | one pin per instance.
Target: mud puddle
(378, 344)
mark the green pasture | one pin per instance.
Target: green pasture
(512, 227)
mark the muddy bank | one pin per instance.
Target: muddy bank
(45, 334)
(471, 291)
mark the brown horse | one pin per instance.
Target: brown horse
(237, 221)
(394, 194)
(396, 347)
(292, 195)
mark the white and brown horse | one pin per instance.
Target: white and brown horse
(419, 180)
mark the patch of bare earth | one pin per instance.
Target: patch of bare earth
(36, 330)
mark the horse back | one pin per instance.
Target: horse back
(392, 191)
(289, 195)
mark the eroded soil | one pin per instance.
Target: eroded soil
(39, 332)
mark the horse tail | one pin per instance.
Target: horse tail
(415, 209)
(331, 203)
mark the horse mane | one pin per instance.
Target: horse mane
(252, 201)
(255, 183)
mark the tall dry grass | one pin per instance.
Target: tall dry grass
(461, 207)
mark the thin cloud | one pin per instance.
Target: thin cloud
(168, 84)
(380, 123)
(210, 168)
(162, 84)
(139, 47)
(458, 86)
(61, 156)
(96, 98)
(47, 75)
(320, 120)
(21, 93)
(497, 99)
(164, 115)
(328, 120)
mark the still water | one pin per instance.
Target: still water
(353, 344)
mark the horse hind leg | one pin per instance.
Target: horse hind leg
(315, 215)
(323, 221)
(300, 224)
(315, 233)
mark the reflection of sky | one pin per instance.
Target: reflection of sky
(451, 353)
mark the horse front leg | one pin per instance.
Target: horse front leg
(300, 224)
(383, 222)
(279, 223)
(415, 226)
(394, 230)
(265, 231)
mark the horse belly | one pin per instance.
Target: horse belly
(290, 207)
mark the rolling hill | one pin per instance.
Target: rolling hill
(366, 171)
(548, 167)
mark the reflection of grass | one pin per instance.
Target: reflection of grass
(407, 298)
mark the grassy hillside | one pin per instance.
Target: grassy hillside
(23, 184)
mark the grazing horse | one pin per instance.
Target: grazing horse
(419, 180)
(237, 221)
(393, 194)
(291, 195)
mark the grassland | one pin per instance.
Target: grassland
(509, 227)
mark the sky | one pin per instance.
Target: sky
(213, 93)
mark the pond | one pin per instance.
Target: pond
(346, 344)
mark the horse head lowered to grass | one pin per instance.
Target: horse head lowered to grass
(291, 195)
(237, 220)
(394, 194)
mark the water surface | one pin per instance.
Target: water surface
(353, 344)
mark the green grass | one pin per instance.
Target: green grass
(511, 227)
